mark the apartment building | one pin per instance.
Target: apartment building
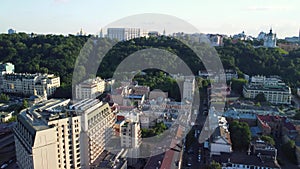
(30, 84)
(89, 89)
(97, 122)
(47, 137)
(123, 34)
(5, 68)
(188, 88)
(274, 89)
(220, 139)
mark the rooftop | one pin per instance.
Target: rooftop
(37, 117)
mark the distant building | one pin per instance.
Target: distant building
(81, 33)
(261, 36)
(30, 84)
(5, 68)
(131, 139)
(11, 31)
(153, 33)
(270, 40)
(294, 39)
(215, 39)
(274, 89)
(123, 34)
(90, 89)
(241, 36)
(188, 88)
(230, 74)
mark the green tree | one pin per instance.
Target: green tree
(260, 97)
(237, 85)
(214, 165)
(268, 139)
(240, 135)
(25, 104)
(289, 151)
(4, 97)
(297, 115)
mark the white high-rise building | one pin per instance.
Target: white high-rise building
(123, 34)
(188, 88)
(131, 139)
(97, 122)
(47, 137)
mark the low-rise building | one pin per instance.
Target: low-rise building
(5, 116)
(220, 139)
(232, 114)
(273, 88)
(30, 84)
(89, 89)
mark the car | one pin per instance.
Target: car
(4, 165)
(199, 158)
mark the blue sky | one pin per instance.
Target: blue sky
(209, 16)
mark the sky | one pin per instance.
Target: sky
(208, 16)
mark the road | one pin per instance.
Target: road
(191, 153)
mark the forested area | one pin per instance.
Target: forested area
(57, 54)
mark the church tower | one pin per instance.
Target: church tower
(101, 33)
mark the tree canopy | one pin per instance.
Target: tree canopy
(57, 54)
(240, 135)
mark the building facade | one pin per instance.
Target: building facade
(274, 90)
(270, 40)
(123, 34)
(47, 137)
(97, 122)
(188, 88)
(30, 84)
(5, 68)
(89, 89)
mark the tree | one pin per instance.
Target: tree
(289, 151)
(240, 135)
(268, 139)
(237, 85)
(4, 97)
(214, 165)
(260, 97)
(297, 115)
(25, 104)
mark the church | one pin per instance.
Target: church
(270, 40)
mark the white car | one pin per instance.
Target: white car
(4, 166)
(199, 158)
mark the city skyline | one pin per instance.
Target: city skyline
(214, 16)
